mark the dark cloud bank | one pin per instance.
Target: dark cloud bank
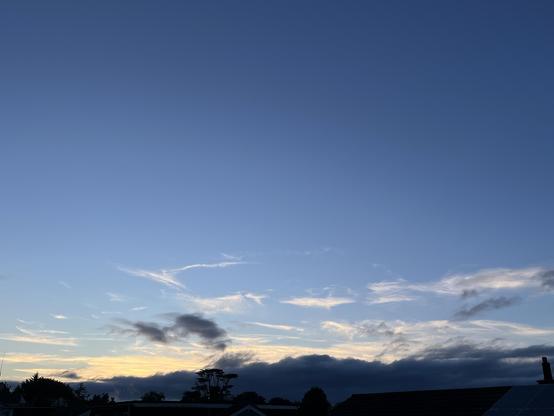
(460, 365)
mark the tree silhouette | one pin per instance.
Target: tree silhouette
(212, 384)
(249, 397)
(153, 397)
(315, 403)
(191, 396)
(279, 401)
(81, 393)
(101, 400)
(5, 393)
(41, 391)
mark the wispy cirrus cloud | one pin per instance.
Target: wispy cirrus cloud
(159, 276)
(116, 297)
(231, 257)
(44, 337)
(415, 335)
(279, 327)
(390, 291)
(465, 285)
(326, 302)
(168, 277)
(388, 341)
(233, 303)
(363, 328)
(493, 279)
(218, 265)
(58, 316)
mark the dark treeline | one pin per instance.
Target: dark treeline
(40, 391)
(211, 386)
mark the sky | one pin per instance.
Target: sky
(363, 184)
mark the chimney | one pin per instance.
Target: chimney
(547, 372)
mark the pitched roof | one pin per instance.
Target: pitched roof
(274, 410)
(466, 402)
(248, 410)
(525, 401)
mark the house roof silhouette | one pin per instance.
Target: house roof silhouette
(533, 400)
(453, 402)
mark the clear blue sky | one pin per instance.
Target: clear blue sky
(310, 150)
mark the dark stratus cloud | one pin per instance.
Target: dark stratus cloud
(486, 305)
(458, 365)
(182, 327)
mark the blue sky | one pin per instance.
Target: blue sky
(339, 177)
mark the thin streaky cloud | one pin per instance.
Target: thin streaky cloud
(24, 322)
(36, 337)
(168, 277)
(64, 284)
(231, 257)
(219, 265)
(513, 327)
(390, 299)
(70, 342)
(366, 328)
(255, 297)
(280, 327)
(52, 332)
(163, 277)
(58, 316)
(465, 285)
(116, 297)
(319, 302)
(234, 303)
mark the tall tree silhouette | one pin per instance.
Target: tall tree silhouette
(213, 384)
(315, 403)
(81, 393)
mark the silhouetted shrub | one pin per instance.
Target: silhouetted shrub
(153, 396)
(315, 403)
